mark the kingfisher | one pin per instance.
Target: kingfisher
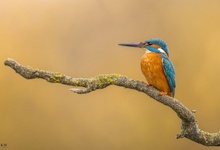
(156, 65)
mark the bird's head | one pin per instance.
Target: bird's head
(153, 45)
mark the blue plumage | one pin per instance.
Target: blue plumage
(159, 42)
(169, 72)
(156, 65)
(167, 64)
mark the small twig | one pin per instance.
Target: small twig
(189, 126)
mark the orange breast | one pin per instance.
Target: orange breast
(151, 66)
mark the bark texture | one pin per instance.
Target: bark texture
(189, 125)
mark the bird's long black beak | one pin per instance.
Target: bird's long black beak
(133, 44)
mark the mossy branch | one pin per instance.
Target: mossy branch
(189, 125)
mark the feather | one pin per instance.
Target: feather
(169, 71)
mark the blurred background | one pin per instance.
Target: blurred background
(79, 38)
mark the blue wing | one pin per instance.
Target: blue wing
(169, 72)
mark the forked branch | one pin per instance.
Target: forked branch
(189, 125)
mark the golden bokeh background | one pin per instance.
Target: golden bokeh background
(79, 38)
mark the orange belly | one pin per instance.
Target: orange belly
(152, 68)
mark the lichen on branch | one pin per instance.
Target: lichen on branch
(189, 125)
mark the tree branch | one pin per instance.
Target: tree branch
(189, 125)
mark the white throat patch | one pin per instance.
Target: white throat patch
(147, 51)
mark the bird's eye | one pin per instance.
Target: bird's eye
(149, 43)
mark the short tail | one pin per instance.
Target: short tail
(171, 94)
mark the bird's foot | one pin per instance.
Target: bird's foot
(163, 93)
